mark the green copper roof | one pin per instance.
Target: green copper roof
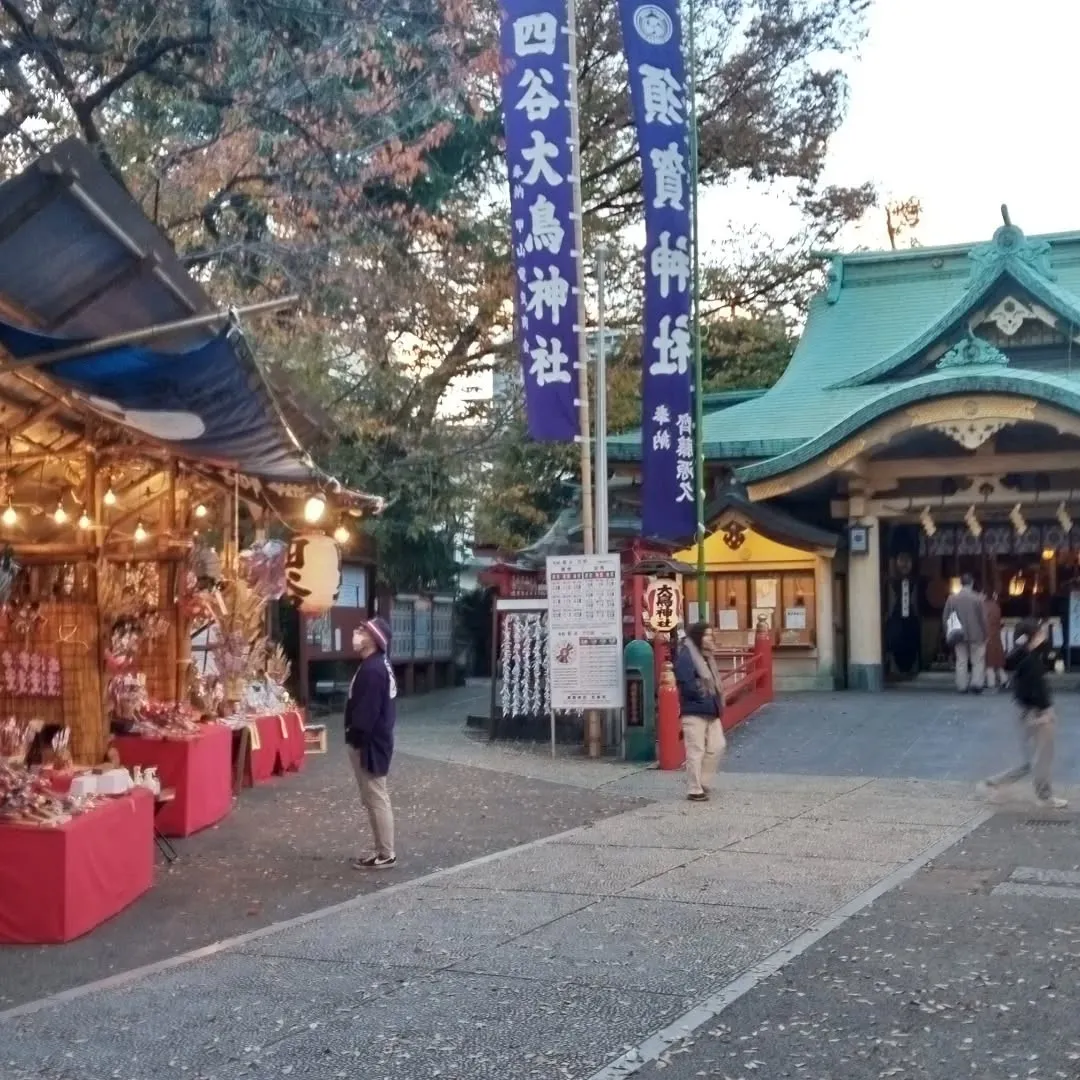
(879, 313)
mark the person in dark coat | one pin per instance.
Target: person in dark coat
(701, 704)
(369, 734)
(1027, 663)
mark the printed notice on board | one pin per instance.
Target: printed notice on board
(585, 631)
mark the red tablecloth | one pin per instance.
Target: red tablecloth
(58, 883)
(198, 770)
(276, 746)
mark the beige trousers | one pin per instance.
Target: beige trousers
(704, 739)
(376, 799)
(1037, 729)
(976, 656)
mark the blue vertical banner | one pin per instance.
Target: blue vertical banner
(535, 47)
(652, 38)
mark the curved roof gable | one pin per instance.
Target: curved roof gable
(1009, 256)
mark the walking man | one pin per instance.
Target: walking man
(965, 634)
(1027, 662)
(369, 734)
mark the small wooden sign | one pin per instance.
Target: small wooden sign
(315, 739)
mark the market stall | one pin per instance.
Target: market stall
(140, 452)
(68, 863)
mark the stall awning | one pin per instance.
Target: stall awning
(203, 403)
(79, 261)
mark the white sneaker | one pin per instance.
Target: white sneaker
(1054, 804)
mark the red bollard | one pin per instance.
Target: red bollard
(670, 749)
(763, 649)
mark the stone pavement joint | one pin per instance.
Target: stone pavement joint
(544, 961)
(652, 1049)
(1042, 892)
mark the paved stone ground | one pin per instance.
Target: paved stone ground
(551, 961)
(285, 848)
(545, 963)
(932, 735)
(956, 973)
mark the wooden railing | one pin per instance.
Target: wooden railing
(747, 675)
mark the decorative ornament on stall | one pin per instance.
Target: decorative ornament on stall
(313, 572)
(972, 522)
(926, 519)
(1064, 519)
(206, 566)
(1016, 516)
(263, 568)
(9, 569)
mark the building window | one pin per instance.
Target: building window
(354, 587)
(783, 600)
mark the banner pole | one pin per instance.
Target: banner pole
(593, 735)
(587, 533)
(699, 435)
(603, 539)
(147, 333)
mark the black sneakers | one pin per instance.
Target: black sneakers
(375, 862)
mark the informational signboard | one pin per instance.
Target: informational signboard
(585, 631)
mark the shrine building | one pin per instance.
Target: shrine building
(927, 426)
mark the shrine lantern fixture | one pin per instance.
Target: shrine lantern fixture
(313, 572)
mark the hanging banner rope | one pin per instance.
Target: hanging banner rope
(540, 161)
(652, 38)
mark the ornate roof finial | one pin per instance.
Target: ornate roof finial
(1010, 243)
(972, 351)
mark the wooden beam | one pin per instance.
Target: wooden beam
(973, 465)
(1044, 502)
(35, 417)
(20, 215)
(127, 272)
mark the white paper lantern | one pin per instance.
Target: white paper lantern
(313, 572)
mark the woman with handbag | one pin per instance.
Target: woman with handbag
(701, 704)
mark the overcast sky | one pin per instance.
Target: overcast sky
(963, 103)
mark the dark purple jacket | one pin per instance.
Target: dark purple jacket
(369, 714)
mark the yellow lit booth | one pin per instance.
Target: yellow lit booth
(767, 568)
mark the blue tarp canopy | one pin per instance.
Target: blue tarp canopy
(200, 402)
(79, 262)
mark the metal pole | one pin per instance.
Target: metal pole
(602, 537)
(587, 533)
(699, 440)
(136, 337)
(593, 734)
